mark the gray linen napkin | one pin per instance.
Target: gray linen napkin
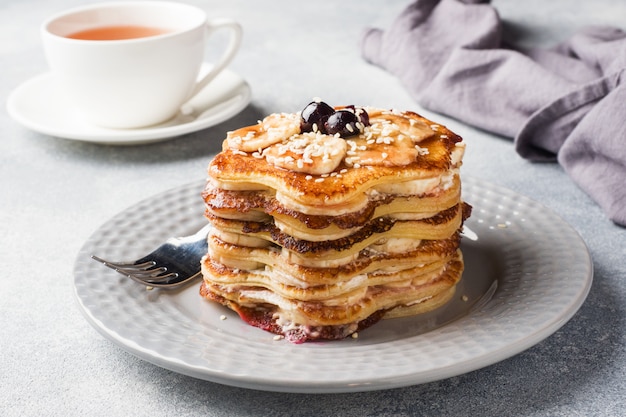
(565, 103)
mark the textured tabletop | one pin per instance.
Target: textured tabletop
(55, 193)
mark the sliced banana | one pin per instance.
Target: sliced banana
(390, 140)
(313, 153)
(273, 129)
(389, 124)
(400, 151)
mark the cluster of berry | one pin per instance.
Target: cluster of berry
(319, 116)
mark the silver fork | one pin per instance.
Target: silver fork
(172, 264)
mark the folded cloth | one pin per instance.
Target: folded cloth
(564, 103)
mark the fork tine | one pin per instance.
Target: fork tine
(170, 265)
(154, 275)
(144, 272)
(161, 283)
(148, 271)
(124, 265)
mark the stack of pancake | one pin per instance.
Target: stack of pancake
(318, 235)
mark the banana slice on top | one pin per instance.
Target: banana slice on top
(313, 153)
(273, 129)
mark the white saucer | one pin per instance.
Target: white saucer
(38, 105)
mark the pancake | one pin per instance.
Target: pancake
(331, 219)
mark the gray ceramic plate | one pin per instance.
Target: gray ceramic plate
(527, 273)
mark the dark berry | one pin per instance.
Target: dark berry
(360, 112)
(363, 116)
(315, 113)
(342, 122)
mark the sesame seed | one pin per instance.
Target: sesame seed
(279, 337)
(308, 177)
(319, 180)
(149, 288)
(354, 335)
(222, 317)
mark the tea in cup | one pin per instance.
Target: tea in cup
(133, 64)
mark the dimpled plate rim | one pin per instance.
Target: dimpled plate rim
(542, 267)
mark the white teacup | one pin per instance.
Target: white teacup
(142, 79)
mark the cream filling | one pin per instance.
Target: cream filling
(275, 274)
(239, 239)
(288, 321)
(237, 185)
(289, 312)
(356, 204)
(249, 216)
(300, 233)
(395, 245)
(418, 301)
(412, 216)
(322, 235)
(388, 245)
(292, 257)
(457, 154)
(234, 263)
(421, 186)
(412, 187)
(417, 187)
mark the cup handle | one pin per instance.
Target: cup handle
(228, 55)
